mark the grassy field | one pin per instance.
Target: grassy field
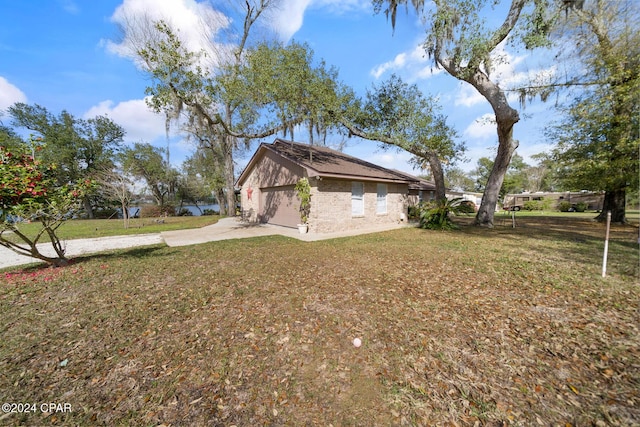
(87, 228)
(473, 327)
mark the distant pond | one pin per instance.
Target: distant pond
(135, 210)
(194, 210)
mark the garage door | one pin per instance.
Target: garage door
(279, 206)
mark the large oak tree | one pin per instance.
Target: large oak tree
(599, 136)
(460, 40)
(79, 148)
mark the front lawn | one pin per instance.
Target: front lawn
(89, 228)
(472, 327)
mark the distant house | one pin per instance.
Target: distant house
(347, 193)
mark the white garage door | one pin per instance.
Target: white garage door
(279, 206)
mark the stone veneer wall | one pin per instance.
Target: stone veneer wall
(331, 206)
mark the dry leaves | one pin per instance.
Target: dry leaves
(475, 327)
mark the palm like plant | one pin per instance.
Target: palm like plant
(436, 215)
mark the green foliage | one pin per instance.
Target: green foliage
(457, 179)
(77, 147)
(398, 114)
(29, 193)
(255, 93)
(564, 206)
(436, 215)
(303, 190)
(515, 179)
(581, 206)
(598, 139)
(147, 162)
(184, 212)
(9, 138)
(462, 41)
(538, 205)
(202, 175)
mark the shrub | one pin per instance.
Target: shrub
(210, 212)
(436, 215)
(154, 211)
(414, 211)
(564, 206)
(581, 207)
(185, 212)
(303, 189)
(28, 191)
(106, 213)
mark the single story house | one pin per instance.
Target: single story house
(347, 193)
(421, 190)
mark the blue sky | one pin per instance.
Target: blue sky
(67, 55)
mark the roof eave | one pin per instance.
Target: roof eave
(360, 178)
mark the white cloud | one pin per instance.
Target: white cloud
(414, 64)
(467, 95)
(483, 128)
(9, 94)
(69, 6)
(288, 18)
(197, 23)
(140, 123)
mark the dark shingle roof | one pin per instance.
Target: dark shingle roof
(325, 162)
(421, 184)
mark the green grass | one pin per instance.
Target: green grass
(633, 216)
(472, 327)
(89, 228)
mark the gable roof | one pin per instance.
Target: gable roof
(327, 163)
(420, 184)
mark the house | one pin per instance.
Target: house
(421, 190)
(347, 193)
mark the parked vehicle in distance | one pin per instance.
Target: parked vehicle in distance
(567, 201)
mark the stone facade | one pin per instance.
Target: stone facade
(268, 195)
(331, 205)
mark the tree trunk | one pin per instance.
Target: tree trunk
(614, 201)
(87, 207)
(229, 178)
(125, 214)
(221, 201)
(438, 175)
(506, 117)
(484, 217)
(31, 248)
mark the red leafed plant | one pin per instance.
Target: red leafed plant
(28, 193)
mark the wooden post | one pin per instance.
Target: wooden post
(606, 246)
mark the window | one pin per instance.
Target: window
(357, 198)
(381, 200)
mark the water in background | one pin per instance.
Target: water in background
(134, 211)
(196, 212)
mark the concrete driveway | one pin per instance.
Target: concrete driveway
(226, 228)
(76, 247)
(233, 228)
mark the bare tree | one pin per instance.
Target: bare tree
(116, 185)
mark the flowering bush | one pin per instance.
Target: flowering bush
(28, 193)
